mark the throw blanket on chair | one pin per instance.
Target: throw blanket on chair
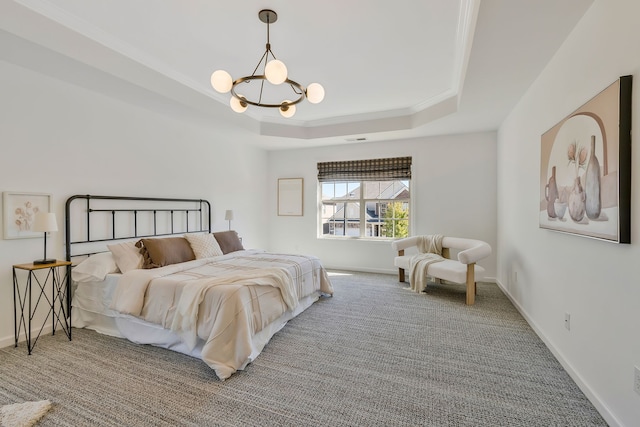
(430, 248)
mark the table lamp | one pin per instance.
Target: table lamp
(228, 216)
(45, 222)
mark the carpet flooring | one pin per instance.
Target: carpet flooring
(375, 354)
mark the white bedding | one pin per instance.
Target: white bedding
(234, 321)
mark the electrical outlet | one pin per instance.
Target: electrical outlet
(636, 379)
(567, 321)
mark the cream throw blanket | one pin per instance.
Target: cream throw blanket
(129, 296)
(186, 315)
(430, 248)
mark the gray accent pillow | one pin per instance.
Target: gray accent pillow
(228, 241)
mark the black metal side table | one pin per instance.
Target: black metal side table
(37, 277)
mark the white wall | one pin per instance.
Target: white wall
(60, 139)
(595, 281)
(453, 193)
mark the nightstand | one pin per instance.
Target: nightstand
(29, 290)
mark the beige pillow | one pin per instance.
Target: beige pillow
(166, 251)
(204, 245)
(126, 255)
(228, 241)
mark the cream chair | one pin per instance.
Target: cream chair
(462, 270)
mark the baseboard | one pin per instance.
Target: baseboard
(10, 340)
(6, 341)
(393, 272)
(593, 397)
(362, 270)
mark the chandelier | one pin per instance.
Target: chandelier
(275, 72)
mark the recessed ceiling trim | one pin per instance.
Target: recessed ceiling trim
(106, 40)
(379, 121)
(469, 11)
(365, 123)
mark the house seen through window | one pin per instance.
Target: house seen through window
(367, 198)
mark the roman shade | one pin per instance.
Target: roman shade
(387, 169)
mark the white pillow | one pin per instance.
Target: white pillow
(96, 267)
(204, 245)
(127, 256)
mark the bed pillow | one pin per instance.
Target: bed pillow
(204, 245)
(228, 241)
(126, 255)
(95, 267)
(166, 251)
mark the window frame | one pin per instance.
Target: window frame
(362, 201)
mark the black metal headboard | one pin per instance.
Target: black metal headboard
(103, 219)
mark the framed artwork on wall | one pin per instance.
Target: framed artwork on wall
(19, 211)
(290, 196)
(585, 168)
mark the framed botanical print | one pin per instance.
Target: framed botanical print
(19, 211)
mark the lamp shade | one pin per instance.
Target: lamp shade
(236, 105)
(221, 81)
(228, 215)
(290, 111)
(315, 93)
(45, 221)
(276, 72)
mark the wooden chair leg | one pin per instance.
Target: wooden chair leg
(471, 284)
(401, 270)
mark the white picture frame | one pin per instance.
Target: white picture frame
(290, 196)
(19, 210)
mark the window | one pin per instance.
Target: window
(366, 198)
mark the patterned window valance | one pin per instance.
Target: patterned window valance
(395, 168)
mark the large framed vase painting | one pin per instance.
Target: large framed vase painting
(585, 168)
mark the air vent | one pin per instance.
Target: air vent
(359, 139)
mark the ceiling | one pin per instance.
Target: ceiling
(424, 67)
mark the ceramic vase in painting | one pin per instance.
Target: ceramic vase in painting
(560, 208)
(593, 201)
(577, 201)
(551, 193)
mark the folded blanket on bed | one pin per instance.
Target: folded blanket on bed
(129, 296)
(430, 248)
(186, 315)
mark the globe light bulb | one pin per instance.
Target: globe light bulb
(237, 105)
(275, 72)
(315, 93)
(287, 110)
(221, 81)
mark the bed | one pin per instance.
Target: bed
(152, 271)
